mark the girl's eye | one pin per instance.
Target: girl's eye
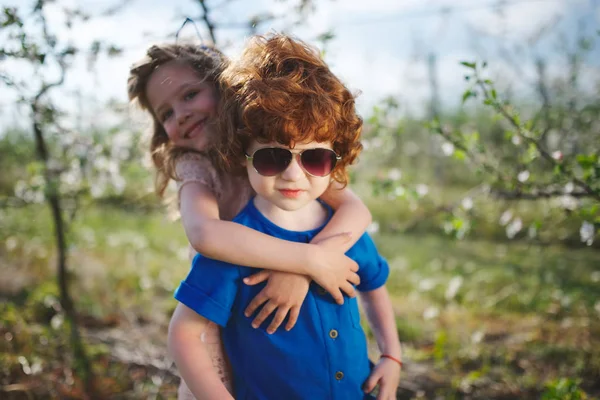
(190, 95)
(166, 115)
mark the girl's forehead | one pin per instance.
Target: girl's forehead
(174, 72)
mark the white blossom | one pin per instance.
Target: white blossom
(431, 313)
(422, 189)
(447, 148)
(532, 232)
(587, 233)
(513, 228)
(394, 174)
(467, 203)
(523, 176)
(569, 187)
(426, 285)
(453, 287)
(11, 243)
(506, 217)
(377, 142)
(98, 187)
(448, 227)
(477, 336)
(119, 183)
(373, 228)
(410, 148)
(568, 202)
(57, 321)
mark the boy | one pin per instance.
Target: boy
(290, 124)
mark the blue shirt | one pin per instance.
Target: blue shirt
(323, 357)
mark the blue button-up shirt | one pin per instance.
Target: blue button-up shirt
(323, 357)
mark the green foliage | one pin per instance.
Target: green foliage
(564, 389)
(509, 152)
(43, 303)
(128, 263)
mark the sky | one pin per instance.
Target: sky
(380, 47)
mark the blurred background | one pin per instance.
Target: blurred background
(481, 169)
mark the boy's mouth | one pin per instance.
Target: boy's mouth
(290, 193)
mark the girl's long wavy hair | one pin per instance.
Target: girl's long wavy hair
(208, 63)
(280, 90)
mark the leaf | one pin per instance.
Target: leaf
(326, 36)
(467, 94)
(11, 18)
(586, 161)
(459, 155)
(114, 51)
(467, 64)
(558, 169)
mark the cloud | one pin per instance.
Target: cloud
(517, 20)
(380, 48)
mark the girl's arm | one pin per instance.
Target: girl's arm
(285, 293)
(380, 315)
(237, 244)
(191, 355)
(351, 216)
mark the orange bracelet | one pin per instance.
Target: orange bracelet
(393, 359)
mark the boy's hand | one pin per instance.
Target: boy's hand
(285, 292)
(387, 374)
(333, 270)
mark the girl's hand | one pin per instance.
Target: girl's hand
(285, 292)
(387, 374)
(333, 270)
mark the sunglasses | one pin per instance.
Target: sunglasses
(271, 161)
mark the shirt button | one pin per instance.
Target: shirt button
(333, 333)
(339, 375)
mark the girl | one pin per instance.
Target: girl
(178, 85)
(310, 139)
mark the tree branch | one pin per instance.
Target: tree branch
(543, 152)
(209, 24)
(542, 194)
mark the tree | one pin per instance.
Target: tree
(57, 176)
(547, 151)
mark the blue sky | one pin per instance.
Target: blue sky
(380, 46)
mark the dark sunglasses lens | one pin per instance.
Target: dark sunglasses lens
(271, 161)
(318, 162)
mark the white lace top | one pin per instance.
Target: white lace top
(232, 193)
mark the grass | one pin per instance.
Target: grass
(513, 313)
(478, 319)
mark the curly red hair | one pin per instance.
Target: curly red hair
(281, 90)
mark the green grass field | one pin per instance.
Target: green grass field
(478, 319)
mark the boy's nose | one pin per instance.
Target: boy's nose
(294, 171)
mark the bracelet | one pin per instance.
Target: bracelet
(392, 358)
